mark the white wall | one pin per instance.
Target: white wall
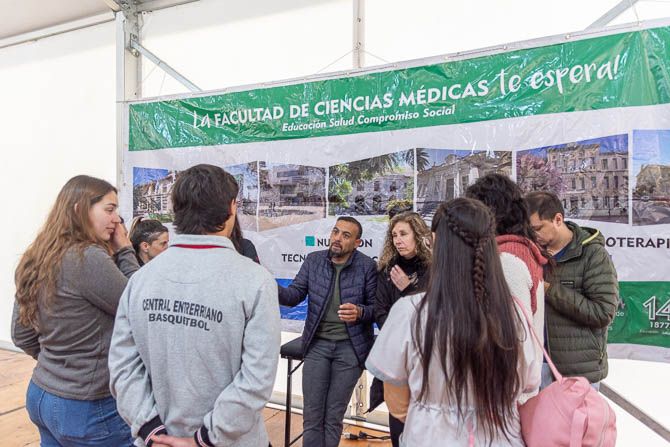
(58, 120)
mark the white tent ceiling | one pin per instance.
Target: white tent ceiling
(24, 16)
(23, 20)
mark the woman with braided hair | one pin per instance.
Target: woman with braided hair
(453, 358)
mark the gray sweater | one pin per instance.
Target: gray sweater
(196, 345)
(72, 343)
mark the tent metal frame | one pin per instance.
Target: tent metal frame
(129, 50)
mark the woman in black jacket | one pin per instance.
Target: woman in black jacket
(403, 270)
(243, 246)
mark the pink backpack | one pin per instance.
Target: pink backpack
(567, 413)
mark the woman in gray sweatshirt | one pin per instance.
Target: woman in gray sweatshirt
(68, 285)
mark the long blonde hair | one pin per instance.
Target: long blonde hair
(422, 238)
(68, 225)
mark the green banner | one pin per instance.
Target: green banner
(620, 70)
(643, 316)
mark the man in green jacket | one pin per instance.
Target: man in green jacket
(581, 291)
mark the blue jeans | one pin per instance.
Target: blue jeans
(76, 423)
(329, 375)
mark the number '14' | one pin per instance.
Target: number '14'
(663, 311)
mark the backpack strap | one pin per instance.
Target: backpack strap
(531, 328)
(577, 428)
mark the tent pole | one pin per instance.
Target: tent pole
(612, 14)
(359, 34)
(128, 77)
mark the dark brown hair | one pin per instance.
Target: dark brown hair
(545, 204)
(353, 221)
(505, 199)
(236, 236)
(145, 230)
(467, 319)
(201, 199)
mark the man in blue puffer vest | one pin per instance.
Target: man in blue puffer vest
(340, 283)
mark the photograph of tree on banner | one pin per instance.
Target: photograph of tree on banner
(290, 194)
(590, 177)
(370, 187)
(445, 174)
(651, 177)
(151, 193)
(246, 175)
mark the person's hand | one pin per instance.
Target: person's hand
(172, 441)
(349, 312)
(120, 237)
(546, 286)
(399, 278)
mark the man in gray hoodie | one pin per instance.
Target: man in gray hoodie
(196, 339)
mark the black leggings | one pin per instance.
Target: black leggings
(395, 427)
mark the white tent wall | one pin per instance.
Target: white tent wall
(58, 120)
(59, 95)
(424, 28)
(240, 43)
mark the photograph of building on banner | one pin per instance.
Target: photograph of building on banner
(246, 175)
(290, 194)
(152, 188)
(372, 186)
(444, 174)
(651, 177)
(590, 177)
(151, 193)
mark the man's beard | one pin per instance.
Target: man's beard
(340, 251)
